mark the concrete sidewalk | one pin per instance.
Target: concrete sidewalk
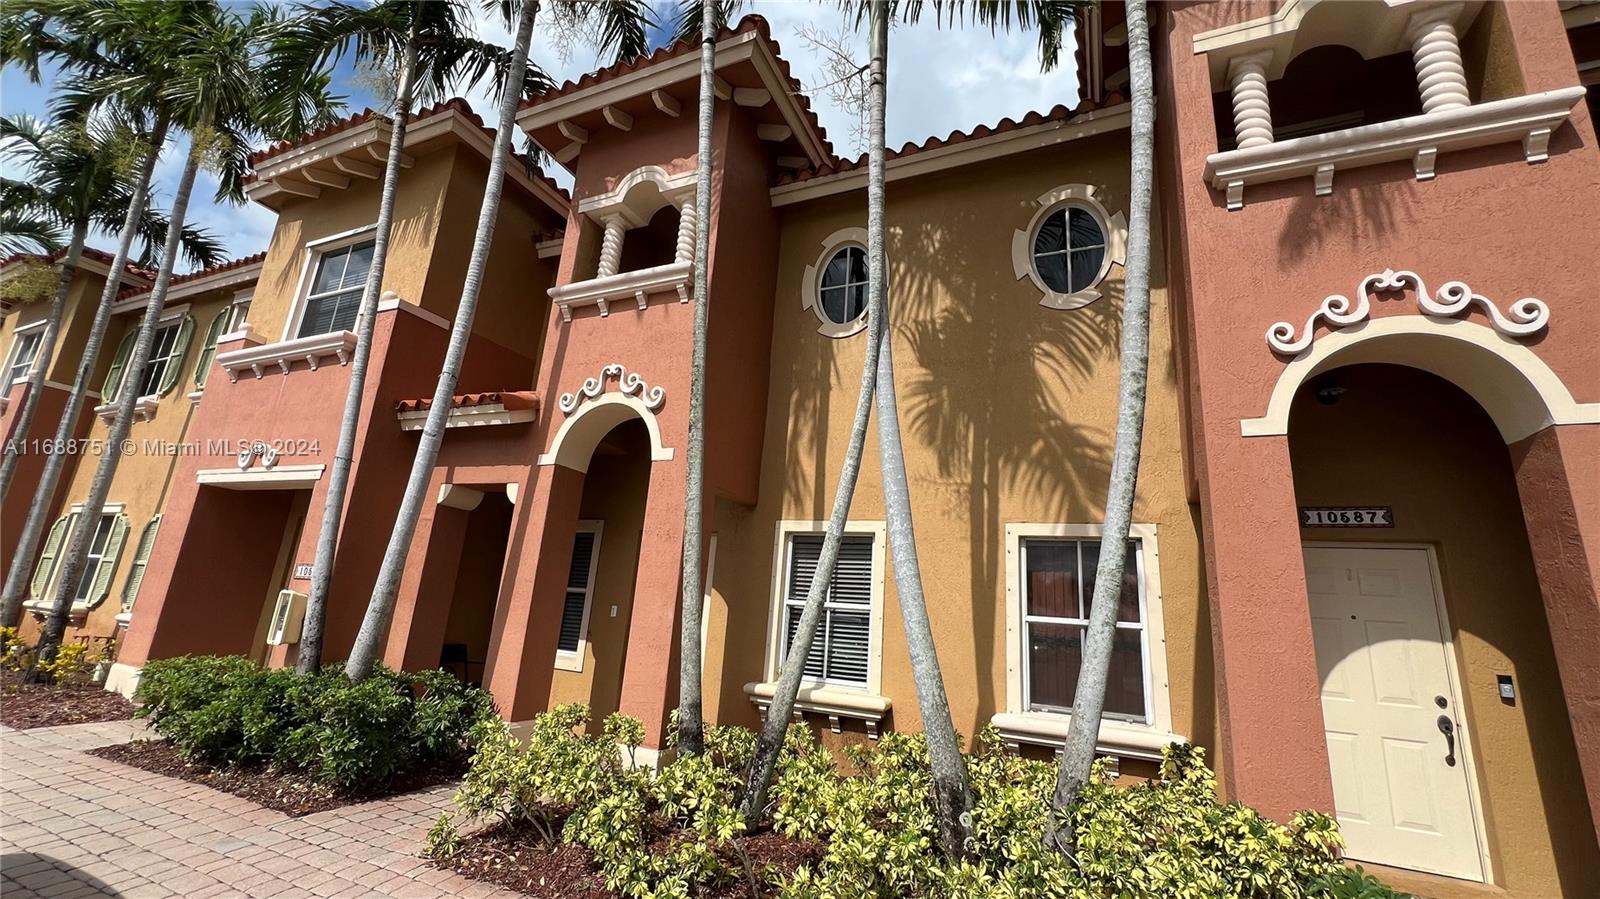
(73, 825)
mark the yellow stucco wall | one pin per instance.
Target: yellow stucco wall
(147, 461)
(1007, 411)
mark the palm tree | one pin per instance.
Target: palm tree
(23, 229)
(80, 38)
(428, 47)
(75, 181)
(212, 84)
(375, 624)
(1089, 701)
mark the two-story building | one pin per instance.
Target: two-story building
(1367, 536)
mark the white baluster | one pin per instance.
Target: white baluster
(1252, 113)
(611, 247)
(1436, 52)
(686, 220)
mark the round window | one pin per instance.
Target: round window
(842, 294)
(1069, 249)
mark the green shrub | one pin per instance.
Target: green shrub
(227, 711)
(677, 834)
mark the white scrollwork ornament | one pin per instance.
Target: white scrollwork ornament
(1525, 317)
(628, 382)
(248, 454)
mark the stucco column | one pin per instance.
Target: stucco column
(427, 586)
(650, 671)
(1436, 51)
(686, 221)
(611, 247)
(527, 616)
(1252, 113)
(1269, 695)
(1559, 485)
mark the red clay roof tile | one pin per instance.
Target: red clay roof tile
(510, 399)
(99, 256)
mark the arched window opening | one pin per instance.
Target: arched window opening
(1330, 88)
(652, 245)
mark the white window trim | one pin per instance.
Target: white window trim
(79, 609)
(16, 344)
(878, 531)
(314, 251)
(1118, 737)
(171, 318)
(811, 283)
(1116, 231)
(573, 660)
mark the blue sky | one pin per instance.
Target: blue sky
(940, 80)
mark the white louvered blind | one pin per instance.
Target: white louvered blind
(840, 652)
(578, 584)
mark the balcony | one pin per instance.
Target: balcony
(635, 286)
(1529, 120)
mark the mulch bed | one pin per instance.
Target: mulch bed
(516, 857)
(294, 793)
(24, 706)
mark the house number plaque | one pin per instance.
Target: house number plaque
(1346, 517)
(302, 572)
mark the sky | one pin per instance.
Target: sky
(940, 80)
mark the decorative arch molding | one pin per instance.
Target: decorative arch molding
(574, 443)
(1516, 387)
(639, 194)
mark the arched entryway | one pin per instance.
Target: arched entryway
(597, 603)
(1421, 623)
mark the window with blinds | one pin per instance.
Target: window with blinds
(335, 296)
(1058, 589)
(841, 650)
(580, 590)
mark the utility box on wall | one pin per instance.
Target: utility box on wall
(287, 616)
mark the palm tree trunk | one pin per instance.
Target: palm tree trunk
(770, 742)
(309, 655)
(374, 627)
(44, 494)
(127, 395)
(951, 792)
(41, 361)
(691, 728)
(1078, 754)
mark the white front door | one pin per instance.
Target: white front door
(1400, 786)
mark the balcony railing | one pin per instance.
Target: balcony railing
(636, 286)
(313, 351)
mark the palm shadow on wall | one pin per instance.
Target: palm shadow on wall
(982, 389)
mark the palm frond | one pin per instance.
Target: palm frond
(24, 233)
(684, 23)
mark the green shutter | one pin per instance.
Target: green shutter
(180, 349)
(208, 350)
(47, 557)
(119, 363)
(141, 558)
(108, 561)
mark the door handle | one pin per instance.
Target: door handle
(1448, 728)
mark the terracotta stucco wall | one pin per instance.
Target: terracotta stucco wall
(1381, 442)
(1008, 410)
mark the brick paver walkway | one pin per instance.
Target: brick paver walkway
(72, 825)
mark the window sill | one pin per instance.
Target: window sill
(1530, 119)
(143, 410)
(124, 617)
(1116, 738)
(310, 350)
(833, 702)
(635, 285)
(41, 609)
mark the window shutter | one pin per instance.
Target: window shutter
(119, 364)
(208, 350)
(47, 557)
(577, 592)
(108, 561)
(180, 349)
(141, 558)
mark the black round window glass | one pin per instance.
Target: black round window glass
(844, 286)
(1069, 249)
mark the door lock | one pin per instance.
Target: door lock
(1448, 728)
